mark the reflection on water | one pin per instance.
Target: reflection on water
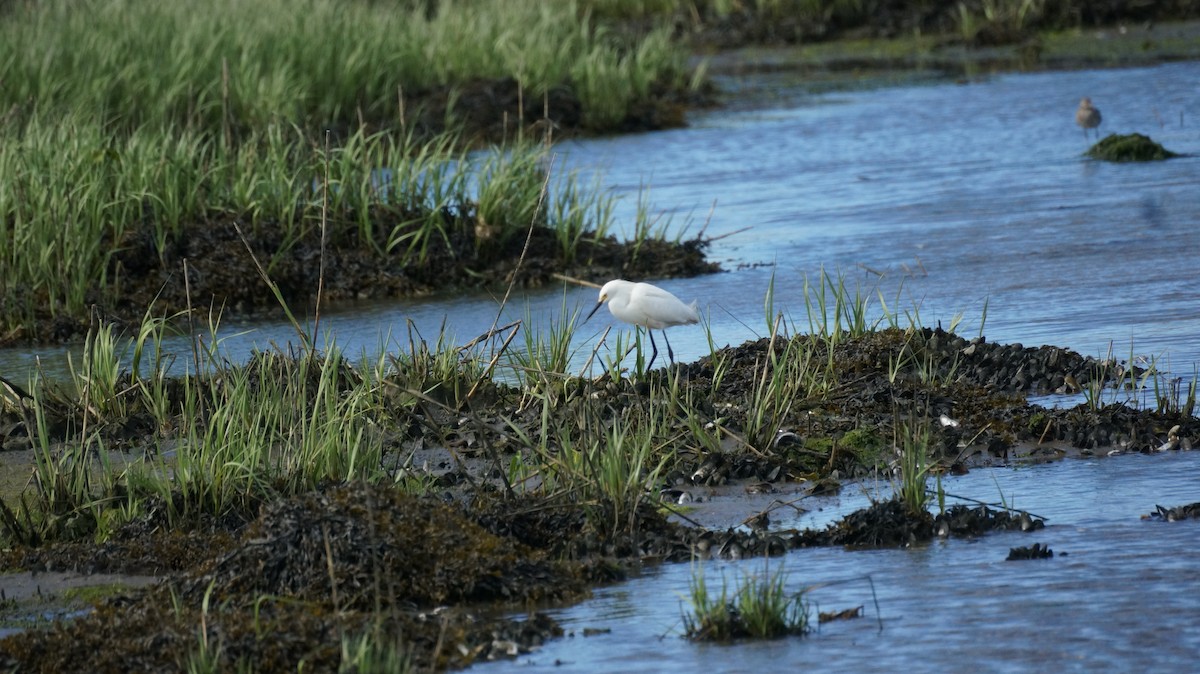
(1121, 593)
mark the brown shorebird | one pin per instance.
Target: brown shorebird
(1087, 117)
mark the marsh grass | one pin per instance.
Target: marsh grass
(223, 67)
(227, 438)
(782, 380)
(611, 471)
(151, 120)
(442, 371)
(79, 197)
(543, 364)
(759, 607)
(581, 210)
(1170, 396)
(71, 490)
(206, 656)
(835, 312)
(995, 22)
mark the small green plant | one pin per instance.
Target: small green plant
(835, 313)
(759, 608)
(370, 654)
(782, 380)
(933, 371)
(100, 387)
(547, 355)
(444, 372)
(580, 212)
(611, 474)
(510, 185)
(645, 226)
(913, 489)
(1169, 394)
(624, 344)
(719, 359)
(205, 658)
(995, 22)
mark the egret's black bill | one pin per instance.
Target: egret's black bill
(593, 311)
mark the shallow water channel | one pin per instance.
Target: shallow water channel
(946, 199)
(1120, 594)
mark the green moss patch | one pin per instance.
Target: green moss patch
(1129, 147)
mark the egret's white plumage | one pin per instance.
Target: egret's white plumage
(648, 306)
(1088, 117)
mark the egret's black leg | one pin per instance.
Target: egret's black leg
(653, 346)
(670, 353)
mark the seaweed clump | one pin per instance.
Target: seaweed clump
(315, 571)
(345, 545)
(1129, 147)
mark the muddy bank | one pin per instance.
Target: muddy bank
(858, 63)
(712, 24)
(493, 111)
(222, 274)
(970, 396)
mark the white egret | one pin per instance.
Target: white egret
(648, 306)
(1087, 117)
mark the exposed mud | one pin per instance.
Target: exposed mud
(350, 560)
(31, 600)
(359, 559)
(1035, 551)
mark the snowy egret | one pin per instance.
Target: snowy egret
(1087, 117)
(648, 306)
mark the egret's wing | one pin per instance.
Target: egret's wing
(660, 309)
